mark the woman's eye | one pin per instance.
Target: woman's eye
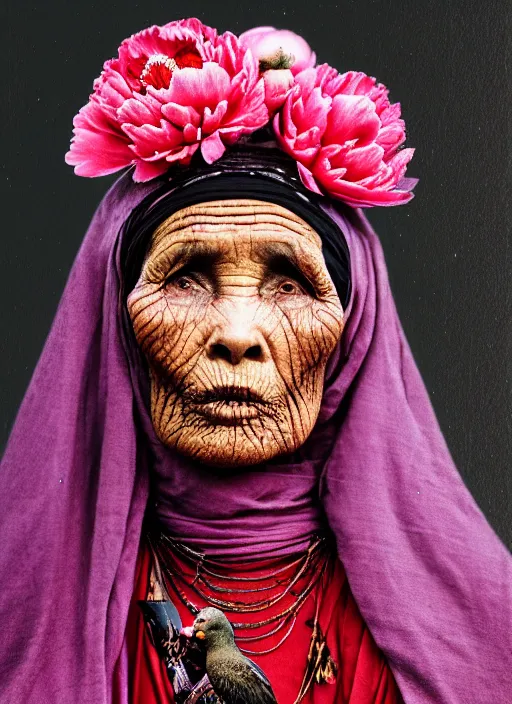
(181, 282)
(190, 283)
(289, 287)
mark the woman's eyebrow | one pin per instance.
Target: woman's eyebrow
(200, 253)
(282, 258)
(273, 251)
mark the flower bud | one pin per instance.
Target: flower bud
(277, 84)
(268, 42)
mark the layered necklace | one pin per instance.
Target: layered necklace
(275, 589)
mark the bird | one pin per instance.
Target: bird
(235, 679)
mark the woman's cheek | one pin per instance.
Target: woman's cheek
(326, 326)
(311, 339)
(180, 335)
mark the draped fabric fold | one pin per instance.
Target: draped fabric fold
(429, 576)
(73, 490)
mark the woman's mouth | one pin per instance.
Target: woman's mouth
(227, 405)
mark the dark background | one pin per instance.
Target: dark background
(448, 251)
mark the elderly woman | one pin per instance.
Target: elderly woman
(227, 413)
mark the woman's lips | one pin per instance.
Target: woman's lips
(228, 405)
(243, 394)
(229, 412)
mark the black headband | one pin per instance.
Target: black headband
(160, 204)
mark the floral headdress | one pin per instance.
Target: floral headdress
(182, 90)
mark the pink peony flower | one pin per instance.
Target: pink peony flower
(345, 134)
(171, 91)
(268, 42)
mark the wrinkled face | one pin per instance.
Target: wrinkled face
(236, 314)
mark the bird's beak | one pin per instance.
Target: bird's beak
(200, 635)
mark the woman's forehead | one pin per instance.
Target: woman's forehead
(225, 219)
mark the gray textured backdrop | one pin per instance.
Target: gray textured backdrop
(448, 251)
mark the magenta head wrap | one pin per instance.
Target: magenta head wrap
(430, 577)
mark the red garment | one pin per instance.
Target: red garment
(363, 676)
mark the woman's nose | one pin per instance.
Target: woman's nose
(236, 340)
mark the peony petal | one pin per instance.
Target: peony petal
(193, 25)
(351, 117)
(399, 162)
(356, 83)
(94, 155)
(200, 88)
(287, 141)
(335, 152)
(391, 137)
(191, 133)
(250, 112)
(277, 86)
(183, 155)
(283, 121)
(363, 197)
(98, 146)
(390, 114)
(212, 148)
(212, 120)
(308, 79)
(361, 162)
(308, 139)
(379, 95)
(407, 184)
(316, 111)
(181, 115)
(150, 141)
(230, 55)
(329, 80)
(112, 88)
(146, 170)
(255, 32)
(139, 112)
(308, 179)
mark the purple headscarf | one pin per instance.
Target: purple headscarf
(432, 580)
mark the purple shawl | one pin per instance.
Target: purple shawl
(432, 580)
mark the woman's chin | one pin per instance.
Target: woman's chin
(231, 445)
